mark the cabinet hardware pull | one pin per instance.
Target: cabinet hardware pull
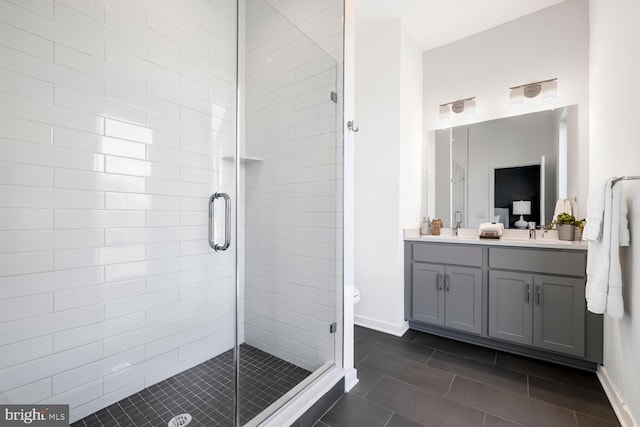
(527, 292)
(439, 282)
(538, 294)
(447, 281)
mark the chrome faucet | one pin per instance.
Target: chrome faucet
(532, 230)
(456, 227)
(457, 221)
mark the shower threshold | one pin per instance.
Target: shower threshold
(206, 393)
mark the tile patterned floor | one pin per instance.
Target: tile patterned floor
(425, 380)
(205, 392)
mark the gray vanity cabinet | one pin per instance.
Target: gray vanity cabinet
(559, 314)
(510, 309)
(526, 300)
(448, 295)
(539, 310)
(445, 294)
(463, 299)
(542, 310)
(428, 293)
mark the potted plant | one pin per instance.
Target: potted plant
(566, 225)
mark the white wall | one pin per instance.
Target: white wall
(376, 178)
(614, 150)
(546, 44)
(410, 140)
(113, 117)
(320, 20)
(387, 166)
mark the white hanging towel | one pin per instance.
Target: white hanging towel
(595, 214)
(604, 274)
(562, 205)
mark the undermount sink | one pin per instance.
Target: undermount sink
(550, 240)
(451, 237)
(463, 233)
(466, 237)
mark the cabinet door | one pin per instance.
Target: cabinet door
(559, 314)
(428, 293)
(463, 299)
(510, 306)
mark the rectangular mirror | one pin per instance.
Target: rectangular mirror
(479, 170)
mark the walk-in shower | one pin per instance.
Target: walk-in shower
(170, 206)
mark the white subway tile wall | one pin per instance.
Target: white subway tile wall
(321, 21)
(291, 222)
(114, 115)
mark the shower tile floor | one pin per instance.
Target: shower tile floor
(205, 392)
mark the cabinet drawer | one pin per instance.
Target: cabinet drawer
(538, 261)
(449, 254)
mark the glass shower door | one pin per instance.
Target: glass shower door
(290, 223)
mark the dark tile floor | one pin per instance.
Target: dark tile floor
(426, 380)
(205, 392)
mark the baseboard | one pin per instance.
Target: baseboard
(388, 328)
(617, 401)
(350, 379)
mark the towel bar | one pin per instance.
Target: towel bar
(623, 178)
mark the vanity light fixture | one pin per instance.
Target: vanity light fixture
(516, 95)
(548, 89)
(467, 106)
(444, 112)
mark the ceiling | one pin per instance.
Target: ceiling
(434, 23)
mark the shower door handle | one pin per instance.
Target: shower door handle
(227, 222)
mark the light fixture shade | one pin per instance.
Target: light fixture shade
(550, 90)
(444, 112)
(522, 208)
(532, 90)
(470, 106)
(458, 107)
(516, 96)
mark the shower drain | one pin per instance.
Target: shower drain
(180, 420)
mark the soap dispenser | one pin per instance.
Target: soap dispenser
(425, 227)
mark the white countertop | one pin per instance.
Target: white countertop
(518, 238)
